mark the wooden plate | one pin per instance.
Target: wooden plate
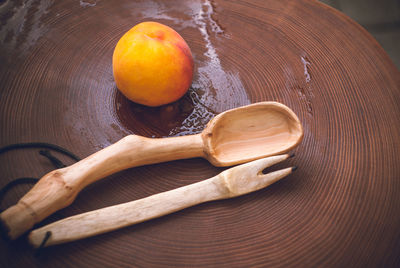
(339, 209)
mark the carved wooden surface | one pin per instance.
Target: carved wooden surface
(339, 209)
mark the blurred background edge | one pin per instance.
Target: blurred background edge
(380, 18)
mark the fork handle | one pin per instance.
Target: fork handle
(59, 188)
(122, 215)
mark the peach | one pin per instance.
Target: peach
(152, 64)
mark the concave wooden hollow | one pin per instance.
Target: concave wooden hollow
(233, 137)
(251, 132)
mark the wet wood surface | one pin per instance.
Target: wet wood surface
(339, 209)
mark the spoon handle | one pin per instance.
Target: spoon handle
(58, 188)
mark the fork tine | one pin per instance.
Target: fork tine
(269, 161)
(256, 167)
(272, 177)
(248, 177)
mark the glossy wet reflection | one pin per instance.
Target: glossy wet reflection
(185, 116)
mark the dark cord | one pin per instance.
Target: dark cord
(38, 145)
(46, 153)
(56, 162)
(13, 183)
(45, 239)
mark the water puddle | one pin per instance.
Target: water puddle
(21, 25)
(87, 3)
(306, 64)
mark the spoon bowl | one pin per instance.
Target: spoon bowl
(251, 132)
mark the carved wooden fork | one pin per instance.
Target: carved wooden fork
(230, 183)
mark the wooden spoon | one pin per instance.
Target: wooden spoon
(233, 137)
